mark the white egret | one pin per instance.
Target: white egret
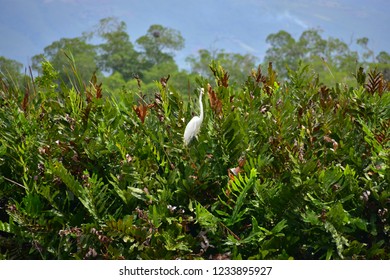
(193, 127)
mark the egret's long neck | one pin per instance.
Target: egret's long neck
(201, 104)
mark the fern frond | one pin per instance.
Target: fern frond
(205, 218)
(237, 193)
(76, 188)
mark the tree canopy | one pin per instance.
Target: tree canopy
(61, 54)
(11, 69)
(159, 43)
(117, 53)
(118, 58)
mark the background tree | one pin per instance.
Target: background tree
(10, 70)
(10, 66)
(312, 44)
(120, 60)
(159, 44)
(368, 53)
(200, 63)
(339, 55)
(59, 52)
(117, 53)
(179, 80)
(332, 59)
(283, 51)
(237, 65)
(383, 57)
(383, 60)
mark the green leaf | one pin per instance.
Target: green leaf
(76, 188)
(239, 188)
(5, 227)
(279, 227)
(205, 218)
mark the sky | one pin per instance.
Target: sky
(240, 26)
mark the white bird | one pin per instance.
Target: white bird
(193, 127)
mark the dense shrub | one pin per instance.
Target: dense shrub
(297, 169)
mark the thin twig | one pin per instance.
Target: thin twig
(13, 182)
(230, 231)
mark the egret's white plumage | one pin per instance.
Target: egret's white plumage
(193, 127)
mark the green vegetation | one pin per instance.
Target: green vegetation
(289, 166)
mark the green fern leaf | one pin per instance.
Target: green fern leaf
(5, 227)
(75, 187)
